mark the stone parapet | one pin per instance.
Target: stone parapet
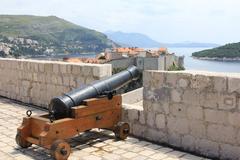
(195, 111)
(37, 82)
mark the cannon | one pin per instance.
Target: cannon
(60, 107)
(96, 105)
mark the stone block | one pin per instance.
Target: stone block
(48, 67)
(174, 139)
(142, 117)
(233, 84)
(59, 80)
(87, 71)
(160, 107)
(188, 142)
(72, 82)
(76, 70)
(147, 77)
(54, 79)
(147, 106)
(183, 83)
(157, 80)
(66, 80)
(207, 148)
(209, 99)
(155, 135)
(178, 109)
(69, 68)
(138, 130)
(41, 77)
(195, 112)
(89, 80)
(56, 68)
(81, 81)
(229, 152)
(234, 119)
(197, 128)
(101, 71)
(26, 83)
(160, 121)
(179, 125)
(220, 133)
(150, 119)
(201, 82)
(176, 95)
(190, 96)
(133, 114)
(227, 101)
(220, 84)
(63, 68)
(171, 79)
(161, 95)
(36, 67)
(215, 116)
(41, 67)
(148, 94)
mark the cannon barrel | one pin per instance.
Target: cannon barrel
(60, 107)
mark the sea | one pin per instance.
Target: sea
(191, 63)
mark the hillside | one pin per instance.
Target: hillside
(24, 35)
(230, 51)
(143, 41)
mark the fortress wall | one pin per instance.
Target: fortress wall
(195, 111)
(37, 82)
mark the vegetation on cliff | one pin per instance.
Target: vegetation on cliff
(230, 51)
(24, 35)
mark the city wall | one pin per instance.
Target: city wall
(37, 82)
(194, 111)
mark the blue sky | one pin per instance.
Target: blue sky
(216, 21)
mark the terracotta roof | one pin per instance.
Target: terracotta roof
(127, 49)
(162, 49)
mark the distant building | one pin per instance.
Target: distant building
(123, 57)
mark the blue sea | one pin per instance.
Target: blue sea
(205, 65)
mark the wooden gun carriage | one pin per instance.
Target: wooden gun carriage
(65, 120)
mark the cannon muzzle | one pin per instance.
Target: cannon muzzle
(60, 107)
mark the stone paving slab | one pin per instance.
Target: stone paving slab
(93, 145)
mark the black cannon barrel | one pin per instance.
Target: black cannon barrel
(60, 107)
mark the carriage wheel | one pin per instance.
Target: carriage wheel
(122, 130)
(22, 142)
(60, 150)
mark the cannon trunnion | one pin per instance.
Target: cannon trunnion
(93, 106)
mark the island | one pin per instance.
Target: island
(228, 52)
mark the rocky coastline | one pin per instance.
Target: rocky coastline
(217, 58)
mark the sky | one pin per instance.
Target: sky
(213, 21)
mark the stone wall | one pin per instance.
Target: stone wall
(195, 111)
(36, 82)
(134, 96)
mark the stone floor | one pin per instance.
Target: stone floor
(94, 145)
